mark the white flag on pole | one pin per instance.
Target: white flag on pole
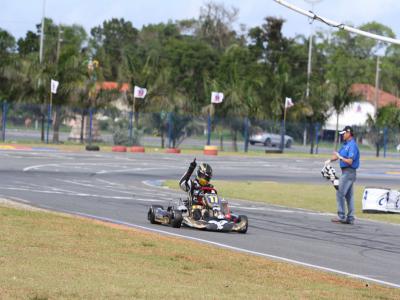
(288, 102)
(139, 92)
(54, 86)
(217, 97)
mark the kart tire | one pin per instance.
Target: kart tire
(151, 216)
(92, 148)
(176, 219)
(244, 218)
(252, 143)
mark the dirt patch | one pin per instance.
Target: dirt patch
(15, 204)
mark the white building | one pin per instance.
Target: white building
(356, 114)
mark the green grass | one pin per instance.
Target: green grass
(51, 256)
(307, 196)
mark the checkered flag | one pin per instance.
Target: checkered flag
(329, 173)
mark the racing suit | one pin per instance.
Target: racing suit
(193, 188)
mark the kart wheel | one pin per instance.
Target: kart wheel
(151, 216)
(176, 219)
(244, 219)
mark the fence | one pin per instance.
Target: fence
(30, 123)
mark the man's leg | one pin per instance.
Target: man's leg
(340, 196)
(350, 198)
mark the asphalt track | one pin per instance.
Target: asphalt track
(119, 187)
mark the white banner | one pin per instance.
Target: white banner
(393, 204)
(375, 199)
(54, 86)
(217, 97)
(288, 102)
(139, 92)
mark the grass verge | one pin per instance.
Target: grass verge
(50, 256)
(195, 151)
(307, 196)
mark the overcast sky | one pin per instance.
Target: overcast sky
(19, 16)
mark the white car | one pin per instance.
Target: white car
(270, 139)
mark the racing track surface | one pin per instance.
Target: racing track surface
(119, 187)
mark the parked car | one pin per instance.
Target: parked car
(270, 139)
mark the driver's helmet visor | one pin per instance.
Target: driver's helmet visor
(203, 178)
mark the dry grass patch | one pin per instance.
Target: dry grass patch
(49, 256)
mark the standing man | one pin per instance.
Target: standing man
(349, 157)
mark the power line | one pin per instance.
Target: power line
(331, 23)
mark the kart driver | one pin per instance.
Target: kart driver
(196, 188)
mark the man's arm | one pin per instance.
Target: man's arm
(334, 157)
(348, 160)
(183, 183)
(337, 156)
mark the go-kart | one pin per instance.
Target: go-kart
(211, 213)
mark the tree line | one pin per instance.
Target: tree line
(181, 62)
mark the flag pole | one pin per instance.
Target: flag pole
(131, 121)
(283, 127)
(49, 117)
(209, 124)
(284, 114)
(136, 112)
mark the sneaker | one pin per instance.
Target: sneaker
(350, 222)
(337, 220)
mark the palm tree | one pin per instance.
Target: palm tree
(239, 87)
(386, 117)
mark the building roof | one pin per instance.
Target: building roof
(112, 85)
(367, 93)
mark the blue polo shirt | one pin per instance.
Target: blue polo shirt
(350, 150)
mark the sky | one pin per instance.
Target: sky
(19, 16)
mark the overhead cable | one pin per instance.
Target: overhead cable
(342, 26)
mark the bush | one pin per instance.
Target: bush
(121, 134)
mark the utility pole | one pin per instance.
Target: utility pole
(310, 43)
(378, 69)
(50, 109)
(42, 34)
(59, 40)
(41, 61)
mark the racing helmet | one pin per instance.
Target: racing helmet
(204, 174)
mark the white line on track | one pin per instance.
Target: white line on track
(129, 170)
(288, 211)
(81, 183)
(61, 165)
(39, 166)
(109, 188)
(77, 194)
(352, 275)
(150, 200)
